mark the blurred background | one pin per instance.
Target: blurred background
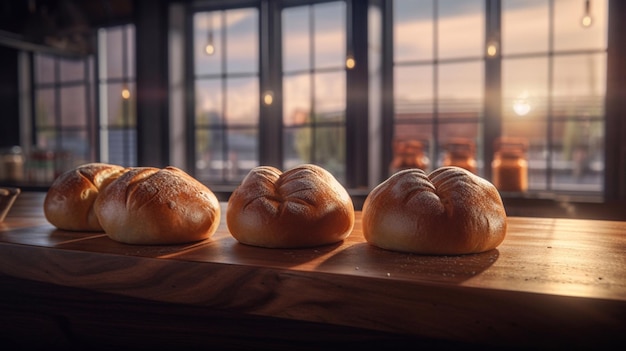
(522, 92)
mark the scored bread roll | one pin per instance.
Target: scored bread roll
(153, 206)
(69, 201)
(450, 211)
(304, 207)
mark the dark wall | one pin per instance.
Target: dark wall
(9, 98)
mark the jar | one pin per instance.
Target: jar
(12, 164)
(460, 153)
(510, 166)
(409, 154)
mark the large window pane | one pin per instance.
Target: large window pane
(120, 110)
(461, 90)
(209, 101)
(72, 70)
(413, 92)
(571, 34)
(242, 41)
(44, 69)
(208, 32)
(578, 154)
(461, 28)
(525, 26)
(226, 94)
(45, 108)
(329, 35)
(524, 86)
(297, 146)
(242, 101)
(413, 30)
(296, 39)
(330, 95)
(296, 99)
(314, 86)
(73, 106)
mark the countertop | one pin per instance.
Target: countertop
(553, 282)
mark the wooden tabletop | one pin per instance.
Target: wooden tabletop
(561, 281)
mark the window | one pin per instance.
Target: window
(117, 95)
(438, 76)
(314, 86)
(63, 116)
(226, 82)
(553, 88)
(550, 74)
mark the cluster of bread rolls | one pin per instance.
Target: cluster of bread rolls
(447, 212)
(136, 205)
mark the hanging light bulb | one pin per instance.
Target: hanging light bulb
(586, 21)
(350, 62)
(125, 92)
(492, 48)
(268, 97)
(209, 49)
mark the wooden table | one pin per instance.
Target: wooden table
(551, 283)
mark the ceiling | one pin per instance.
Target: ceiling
(59, 25)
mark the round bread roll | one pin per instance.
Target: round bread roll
(450, 211)
(303, 207)
(152, 206)
(69, 201)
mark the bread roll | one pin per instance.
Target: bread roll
(303, 207)
(153, 206)
(69, 202)
(451, 211)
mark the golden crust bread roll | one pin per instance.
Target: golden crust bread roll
(450, 211)
(69, 201)
(304, 207)
(152, 206)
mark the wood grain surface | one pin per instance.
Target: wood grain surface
(552, 282)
